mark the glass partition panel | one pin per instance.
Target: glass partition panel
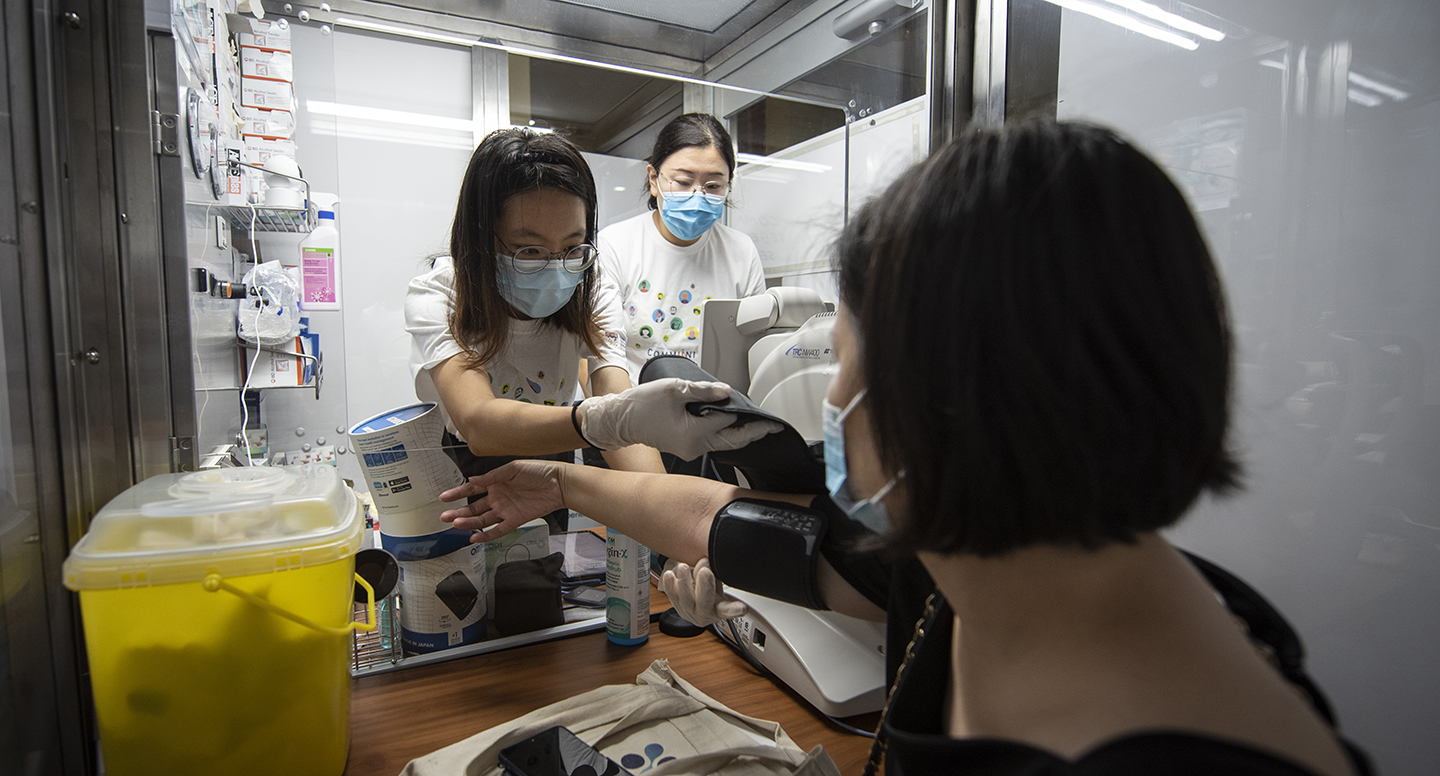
(384, 119)
(1308, 143)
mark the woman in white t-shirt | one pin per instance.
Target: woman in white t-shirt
(667, 262)
(500, 326)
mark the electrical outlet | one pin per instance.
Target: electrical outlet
(222, 233)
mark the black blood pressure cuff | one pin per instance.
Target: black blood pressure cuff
(780, 462)
(770, 548)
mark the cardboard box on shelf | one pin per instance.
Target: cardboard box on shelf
(283, 369)
(268, 124)
(258, 150)
(240, 182)
(260, 93)
(268, 35)
(263, 63)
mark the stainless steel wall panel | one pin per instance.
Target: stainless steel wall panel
(86, 296)
(43, 713)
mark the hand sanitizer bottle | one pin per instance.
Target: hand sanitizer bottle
(627, 589)
(320, 266)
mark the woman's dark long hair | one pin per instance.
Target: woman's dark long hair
(1044, 339)
(509, 162)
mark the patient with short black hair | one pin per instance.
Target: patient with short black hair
(1048, 287)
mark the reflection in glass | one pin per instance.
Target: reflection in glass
(1309, 146)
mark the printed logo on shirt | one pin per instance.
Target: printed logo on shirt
(692, 333)
(684, 297)
(674, 309)
(504, 389)
(653, 352)
(632, 311)
(647, 332)
(534, 386)
(644, 286)
(658, 316)
(676, 324)
(696, 311)
(659, 296)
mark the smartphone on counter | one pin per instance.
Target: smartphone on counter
(557, 752)
(592, 597)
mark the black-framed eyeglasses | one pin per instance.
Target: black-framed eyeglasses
(533, 258)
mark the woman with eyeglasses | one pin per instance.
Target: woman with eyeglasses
(500, 326)
(668, 261)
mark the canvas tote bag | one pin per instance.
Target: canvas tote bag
(659, 726)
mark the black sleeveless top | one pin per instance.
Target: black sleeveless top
(918, 744)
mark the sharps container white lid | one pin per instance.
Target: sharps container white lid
(176, 528)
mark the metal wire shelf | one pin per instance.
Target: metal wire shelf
(269, 218)
(380, 647)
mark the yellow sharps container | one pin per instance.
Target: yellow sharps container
(217, 611)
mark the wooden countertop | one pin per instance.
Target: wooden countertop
(399, 716)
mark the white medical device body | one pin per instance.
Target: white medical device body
(775, 348)
(834, 661)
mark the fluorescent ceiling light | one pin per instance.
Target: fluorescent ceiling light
(708, 16)
(1128, 22)
(387, 116)
(410, 32)
(1364, 98)
(1272, 63)
(1375, 86)
(402, 136)
(788, 164)
(619, 188)
(405, 31)
(1165, 17)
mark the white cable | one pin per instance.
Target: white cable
(194, 339)
(244, 405)
(259, 309)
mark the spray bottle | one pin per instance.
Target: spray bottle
(320, 260)
(627, 589)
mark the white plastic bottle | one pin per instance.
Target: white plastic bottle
(320, 266)
(627, 589)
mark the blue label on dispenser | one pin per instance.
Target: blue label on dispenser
(391, 418)
(443, 581)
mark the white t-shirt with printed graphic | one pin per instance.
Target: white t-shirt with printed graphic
(663, 285)
(540, 364)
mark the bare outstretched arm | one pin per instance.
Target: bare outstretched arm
(671, 514)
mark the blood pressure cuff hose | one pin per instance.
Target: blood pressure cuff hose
(769, 547)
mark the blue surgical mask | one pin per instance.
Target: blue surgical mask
(538, 294)
(869, 512)
(688, 214)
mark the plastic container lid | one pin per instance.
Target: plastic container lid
(330, 214)
(176, 528)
